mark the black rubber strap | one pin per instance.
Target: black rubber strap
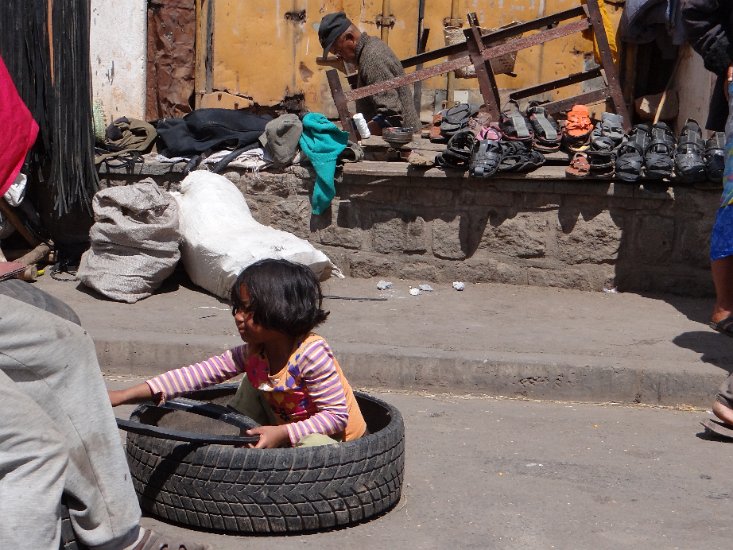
(188, 437)
(210, 410)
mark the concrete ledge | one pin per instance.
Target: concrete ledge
(500, 374)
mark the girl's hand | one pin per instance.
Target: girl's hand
(270, 436)
(133, 394)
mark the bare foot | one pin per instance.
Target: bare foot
(723, 412)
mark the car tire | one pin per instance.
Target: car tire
(239, 490)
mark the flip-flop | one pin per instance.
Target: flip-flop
(579, 166)
(725, 326)
(718, 429)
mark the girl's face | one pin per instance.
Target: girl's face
(251, 332)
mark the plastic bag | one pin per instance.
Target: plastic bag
(221, 238)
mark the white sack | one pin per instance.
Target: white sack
(134, 241)
(221, 238)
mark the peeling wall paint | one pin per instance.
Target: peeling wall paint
(117, 56)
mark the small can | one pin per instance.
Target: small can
(361, 126)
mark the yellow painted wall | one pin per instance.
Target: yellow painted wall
(258, 53)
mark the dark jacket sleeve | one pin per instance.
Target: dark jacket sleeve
(706, 23)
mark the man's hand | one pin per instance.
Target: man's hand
(270, 436)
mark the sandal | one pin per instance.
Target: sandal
(579, 166)
(155, 541)
(456, 119)
(578, 123)
(514, 124)
(715, 157)
(630, 159)
(458, 151)
(546, 129)
(688, 160)
(435, 135)
(519, 157)
(602, 162)
(659, 155)
(485, 158)
(612, 126)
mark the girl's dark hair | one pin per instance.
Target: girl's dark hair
(283, 296)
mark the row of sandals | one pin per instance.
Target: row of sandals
(647, 152)
(519, 141)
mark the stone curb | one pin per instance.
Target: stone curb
(534, 376)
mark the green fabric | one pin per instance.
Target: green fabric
(322, 142)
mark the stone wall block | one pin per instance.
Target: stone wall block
(594, 240)
(576, 279)
(293, 215)
(483, 197)
(653, 239)
(415, 196)
(398, 235)
(692, 246)
(342, 237)
(523, 236)
(447, 241)
(419, 271)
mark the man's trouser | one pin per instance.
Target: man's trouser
(58, 434)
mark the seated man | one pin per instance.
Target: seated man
(376, 63)
(58, 434)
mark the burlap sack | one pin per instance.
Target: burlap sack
(134, 241)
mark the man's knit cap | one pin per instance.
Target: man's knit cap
(331, 27)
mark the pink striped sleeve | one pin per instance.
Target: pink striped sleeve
(199, 375)
(323, 384)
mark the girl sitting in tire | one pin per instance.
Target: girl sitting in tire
(293, 387)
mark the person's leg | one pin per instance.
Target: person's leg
(53, 361)
(33, 461)
(722, 272)
(721, 264)
(723, 405)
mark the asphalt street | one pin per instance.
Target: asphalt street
(485, 472)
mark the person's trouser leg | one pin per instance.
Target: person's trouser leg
(54, 362)
(33, 461)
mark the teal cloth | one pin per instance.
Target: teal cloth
(322, 142)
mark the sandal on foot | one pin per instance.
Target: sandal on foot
(514, 125)
(718, 429)
(724, 326)
(579, 166)
(659, 155)
(546, 130)
(688, 159)
(630, 158)
(715, 157)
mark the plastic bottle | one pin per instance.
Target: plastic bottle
(361, 126)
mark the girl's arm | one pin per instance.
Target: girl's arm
(193, 377)
(320, 376)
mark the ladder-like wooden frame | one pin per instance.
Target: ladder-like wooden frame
(478, 51)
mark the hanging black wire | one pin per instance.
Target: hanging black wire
(50, 66)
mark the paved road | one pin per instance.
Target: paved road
(505, 474)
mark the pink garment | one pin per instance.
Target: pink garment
(18, 130)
